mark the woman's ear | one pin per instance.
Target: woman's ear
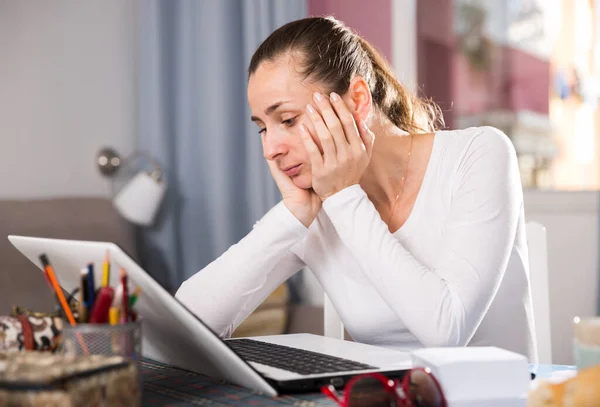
(358, 98)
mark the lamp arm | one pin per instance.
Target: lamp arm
(157, 173)
(143, 153)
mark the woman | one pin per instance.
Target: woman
(416, 234)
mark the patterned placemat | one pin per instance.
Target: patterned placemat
(164, 385)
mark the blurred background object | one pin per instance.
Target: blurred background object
(502, 76)
(529, 67)
(142, 186)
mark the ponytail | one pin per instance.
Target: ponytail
(406, 110)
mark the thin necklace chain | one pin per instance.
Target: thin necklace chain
(402, 181)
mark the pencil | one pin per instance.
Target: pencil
(113, 319)
(133, 297)
(106, 270)
(113, 315)
(52, 289)
(57, 289)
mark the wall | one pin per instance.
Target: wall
(67, 88)
(375, 24)
(389, 25)
(571, 221)
(435, 47)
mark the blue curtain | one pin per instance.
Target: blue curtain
(194, 118)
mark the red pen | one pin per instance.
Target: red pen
(102, 305)
(125, 316)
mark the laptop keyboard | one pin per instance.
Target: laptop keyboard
(292, 359)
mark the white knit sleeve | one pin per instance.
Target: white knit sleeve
(226, 291)
(443, 305)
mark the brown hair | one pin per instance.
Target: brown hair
(332, 54)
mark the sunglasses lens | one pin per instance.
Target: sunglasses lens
(370, 392)
(423, 391)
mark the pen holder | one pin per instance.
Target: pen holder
(104, 339)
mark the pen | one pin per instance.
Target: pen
(57, 289)
(101, 310)
(125, 316)
(85, 275)
(91, 285)
(106, 270)
(83, 293)
(118, 300)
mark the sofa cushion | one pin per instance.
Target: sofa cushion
(270, 318)
(21, 282)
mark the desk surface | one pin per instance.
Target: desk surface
(165, 385)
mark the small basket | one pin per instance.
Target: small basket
(103, 339)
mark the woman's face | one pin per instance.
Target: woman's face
(278, 98)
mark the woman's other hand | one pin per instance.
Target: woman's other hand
(346, 147)
(304, 204)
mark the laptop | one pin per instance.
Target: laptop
(274, 365)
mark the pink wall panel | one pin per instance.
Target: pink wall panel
(515, 81)
(435, 51)
(529, 82)
(372, 19)
(435, 21)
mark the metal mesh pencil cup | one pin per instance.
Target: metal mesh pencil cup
(103, 339)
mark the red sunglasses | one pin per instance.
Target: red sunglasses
(419, 388)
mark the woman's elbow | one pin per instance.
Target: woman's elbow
(448, 332)
(225, 333)
(444, 339)
(452, 323)
(180, 294)
(187, 296)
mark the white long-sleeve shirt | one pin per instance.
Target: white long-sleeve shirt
(455, 274)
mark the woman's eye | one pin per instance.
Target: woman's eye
(290, 122)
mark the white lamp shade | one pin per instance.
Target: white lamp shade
(140, 198)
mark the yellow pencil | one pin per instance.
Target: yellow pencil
(113, 315)
(113, 319)
(106, 270)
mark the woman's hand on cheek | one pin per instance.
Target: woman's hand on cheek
(304, 204)
(346, 148)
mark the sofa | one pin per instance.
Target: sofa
(22, 283)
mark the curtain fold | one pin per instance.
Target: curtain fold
(194, 118)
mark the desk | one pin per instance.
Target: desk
(165, 385)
